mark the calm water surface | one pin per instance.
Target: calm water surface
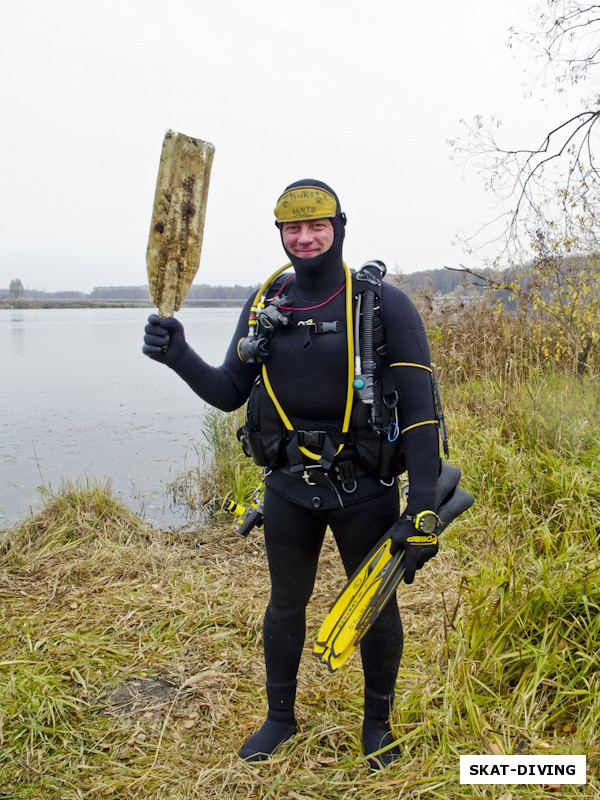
(80, 401)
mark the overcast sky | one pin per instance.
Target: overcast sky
(362, 96)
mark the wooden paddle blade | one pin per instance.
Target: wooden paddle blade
(177, 228)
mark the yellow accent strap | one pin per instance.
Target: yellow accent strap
(431, 372)
(409, 364)
(418, 425)
(350, 389)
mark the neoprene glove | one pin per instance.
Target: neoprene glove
(164, 340)
(418, 547)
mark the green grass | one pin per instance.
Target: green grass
(131, 659)
(223, 473)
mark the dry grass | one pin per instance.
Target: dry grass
(132, 668)
(481, 339)
(131, 660)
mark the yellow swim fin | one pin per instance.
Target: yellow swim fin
(340, 627)
(350, 636)
(376, 579)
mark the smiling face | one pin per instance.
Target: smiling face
(308, 238)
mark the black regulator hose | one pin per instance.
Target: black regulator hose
(366, 349)
(372, 272)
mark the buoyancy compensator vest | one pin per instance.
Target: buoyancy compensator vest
(367, 439)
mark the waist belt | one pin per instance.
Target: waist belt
(346, 472)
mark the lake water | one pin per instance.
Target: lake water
(80, 401)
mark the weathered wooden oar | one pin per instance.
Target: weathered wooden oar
(177, 228)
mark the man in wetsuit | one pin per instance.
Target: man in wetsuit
(305, 491)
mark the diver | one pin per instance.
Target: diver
(320, 446)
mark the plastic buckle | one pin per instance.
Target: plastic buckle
(328, 327)
(306, 476)
(312, 439)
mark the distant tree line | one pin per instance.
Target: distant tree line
(201, 291)
(439, 281)
(17, 291)
(445, 281)
(120, 293)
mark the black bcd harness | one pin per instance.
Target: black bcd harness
(371, 442)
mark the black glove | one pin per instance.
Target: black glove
(164, 340)
(418, 547)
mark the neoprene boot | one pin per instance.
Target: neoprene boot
(376, 731)
(279, 725)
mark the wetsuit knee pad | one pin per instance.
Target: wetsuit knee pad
(279, 615)
(388, 622)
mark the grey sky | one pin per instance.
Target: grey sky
(362, 97)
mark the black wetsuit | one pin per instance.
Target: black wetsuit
(309, 374)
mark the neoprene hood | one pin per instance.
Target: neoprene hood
(312, 199)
